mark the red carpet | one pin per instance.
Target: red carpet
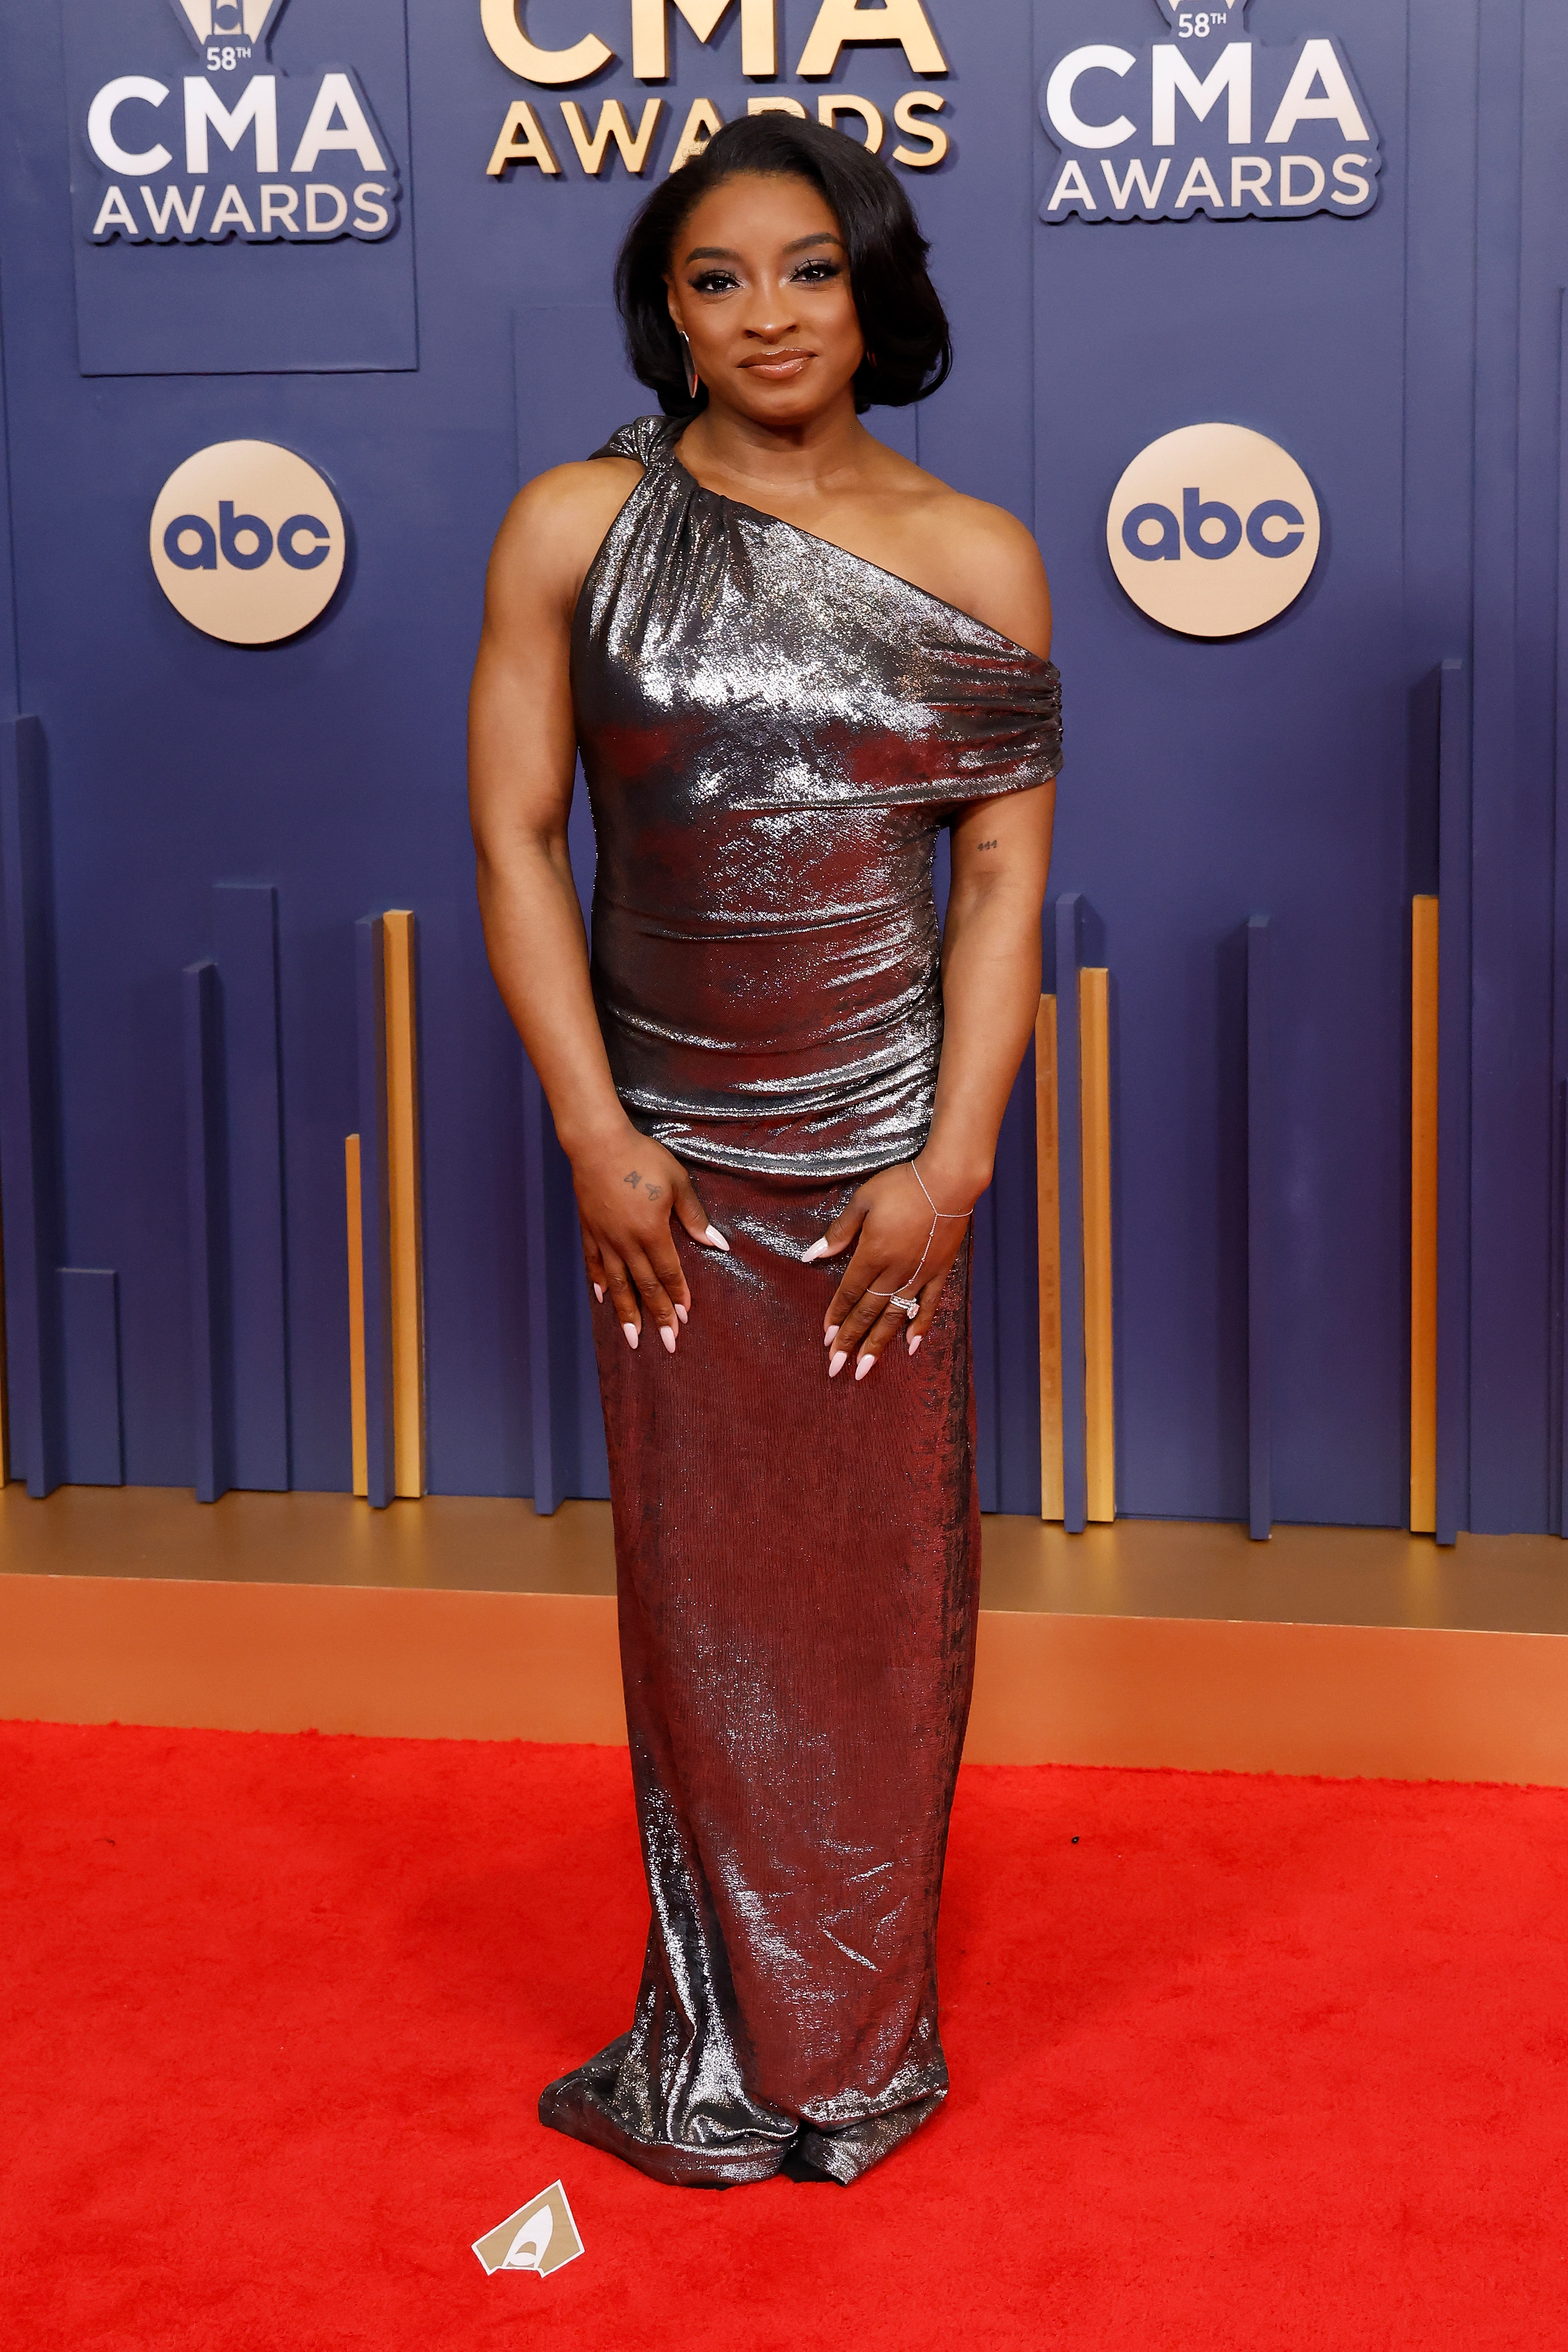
(1254, 2064)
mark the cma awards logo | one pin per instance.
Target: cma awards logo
(269, 158)
(1208, 120)
(1213, 529)
(247, 542)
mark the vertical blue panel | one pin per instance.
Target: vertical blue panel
(10, 692)
(90, 1337)
(1454, 1051)
(245, 933)
(983, 1314)
(370, 974)
(1559, 1514)
(1260, 1192)
(1069, 1180)
(1520, 246)
(1557, 1518)
(28, 1113)
(1017, 1303)
(207, 1193)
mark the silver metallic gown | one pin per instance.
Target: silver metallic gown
(773, 732)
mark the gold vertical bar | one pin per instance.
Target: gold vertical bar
(1050, 1241)
(361, 1448)
(403, 1202)
(1423, 1216)
(1099, 1388)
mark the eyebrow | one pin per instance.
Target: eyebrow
(728, 252)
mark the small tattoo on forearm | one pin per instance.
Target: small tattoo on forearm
(987, 845)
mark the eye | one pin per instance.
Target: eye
(815, 272)
(713, 281)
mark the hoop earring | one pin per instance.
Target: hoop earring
(693, 381)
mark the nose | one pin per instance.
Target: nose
(769, 314)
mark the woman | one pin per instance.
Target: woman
(787, 657)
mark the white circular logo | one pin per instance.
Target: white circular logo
(248, 542)
(1213, 529)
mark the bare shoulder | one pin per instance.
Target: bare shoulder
(994, 565)
(973, 555)
(555, 528)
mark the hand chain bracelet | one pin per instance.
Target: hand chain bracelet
(912, 1307)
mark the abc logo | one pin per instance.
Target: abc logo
(1213, 529)
(248, 542)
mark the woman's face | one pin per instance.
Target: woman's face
(759, 283)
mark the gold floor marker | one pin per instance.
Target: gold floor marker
(540, 2236)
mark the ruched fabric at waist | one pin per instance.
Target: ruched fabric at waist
(810, 1054)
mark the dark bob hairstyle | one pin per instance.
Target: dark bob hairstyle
(908, 351)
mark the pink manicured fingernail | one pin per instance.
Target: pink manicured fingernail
(631, 1331)
(864, 1366)
(715, 1240)
(829, 1335)
(667, 1336)
(680, 1312)
(836, 1363)
(599, 1292)
(915, 1338)
(818, 1249)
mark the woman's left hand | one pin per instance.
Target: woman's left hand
(890, 1221)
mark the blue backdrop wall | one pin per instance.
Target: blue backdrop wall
(1407, 353)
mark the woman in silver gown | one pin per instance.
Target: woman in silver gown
(787, 658)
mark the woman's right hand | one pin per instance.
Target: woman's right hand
(628, 1190)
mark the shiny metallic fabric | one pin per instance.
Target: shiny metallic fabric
(773, 732)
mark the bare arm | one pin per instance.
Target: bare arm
(990, 981)
(991, 992)
(522, 759)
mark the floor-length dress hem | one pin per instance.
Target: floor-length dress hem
(575, 2105)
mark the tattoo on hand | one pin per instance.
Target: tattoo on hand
(653, 1191)
(633, 1180)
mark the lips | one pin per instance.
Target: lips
(778, 367)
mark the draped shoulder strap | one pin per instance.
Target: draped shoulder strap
(645, 438)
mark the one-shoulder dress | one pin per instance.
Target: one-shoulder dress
(773, 732)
